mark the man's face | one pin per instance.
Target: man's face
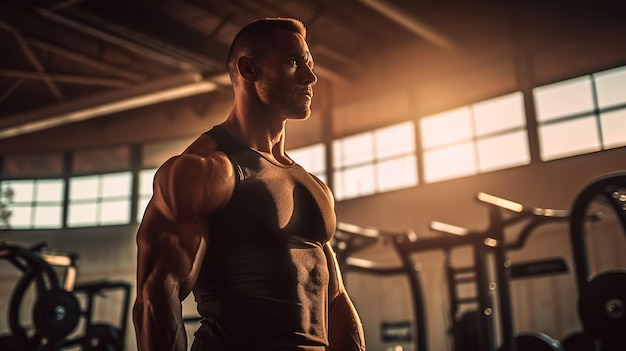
(285, 81)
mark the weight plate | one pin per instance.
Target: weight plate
(602, 307)
(56, 314)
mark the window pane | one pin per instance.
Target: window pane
(563, 98)
(35, 204)
(312, 158)
(115, 212)
(22, 190)
(146, 177)
(358, 181)
(447, 127)
(48, 217)
(338, 178)
(21, 217)
(450, 162)
(354, 150)
(503, 151)
(82, 215)
(614, 128)
(501, 113)
(395, 140)
(82, 188)
(50, 190)
(116, 184)
(611, 87)
(569, 138)
(397, 173)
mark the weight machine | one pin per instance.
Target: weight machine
(351, 238)
(602, 299)
(56, 312)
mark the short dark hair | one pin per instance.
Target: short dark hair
(258, 32)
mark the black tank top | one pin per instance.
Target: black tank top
(263, 283)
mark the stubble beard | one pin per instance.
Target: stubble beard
(284, 102)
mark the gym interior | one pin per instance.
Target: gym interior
(476, 150)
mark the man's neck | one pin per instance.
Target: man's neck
(264, 135)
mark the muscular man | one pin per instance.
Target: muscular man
(237, 222)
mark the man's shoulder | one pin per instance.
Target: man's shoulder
(214, 164)
(200, 158)
(202, 151)
(204, 145)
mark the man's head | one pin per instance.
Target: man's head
(271, 68)
(254, 38)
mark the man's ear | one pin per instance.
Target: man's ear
(246, 68)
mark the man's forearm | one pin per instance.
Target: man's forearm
(159, 329)
(345, 332)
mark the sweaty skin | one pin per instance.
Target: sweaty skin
(190, 191)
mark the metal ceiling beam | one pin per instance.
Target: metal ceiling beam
(87, 61)
(34, 61)
(65, 78)
(10, 90)
(199, 61)
(154, 92)
(421, 29)
(116, 40)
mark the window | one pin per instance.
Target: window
(312, 158)
(375, 161)
(146, 177)
(582, 115)
(31, 204)
(100, 199)
(482, 137)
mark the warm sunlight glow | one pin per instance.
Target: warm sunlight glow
(395, 140)
(396, 173)
(353, 150)
(569, 138)
(503, 151)
(450, 162)
(500, 202)
(599, 121)
(377, 161)
(351, 228)
(499, 114)
(614, 128)
(312, 158)
(448, 228)
(482, 137)
(563, 98)
(447, 127)
(611, 87)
